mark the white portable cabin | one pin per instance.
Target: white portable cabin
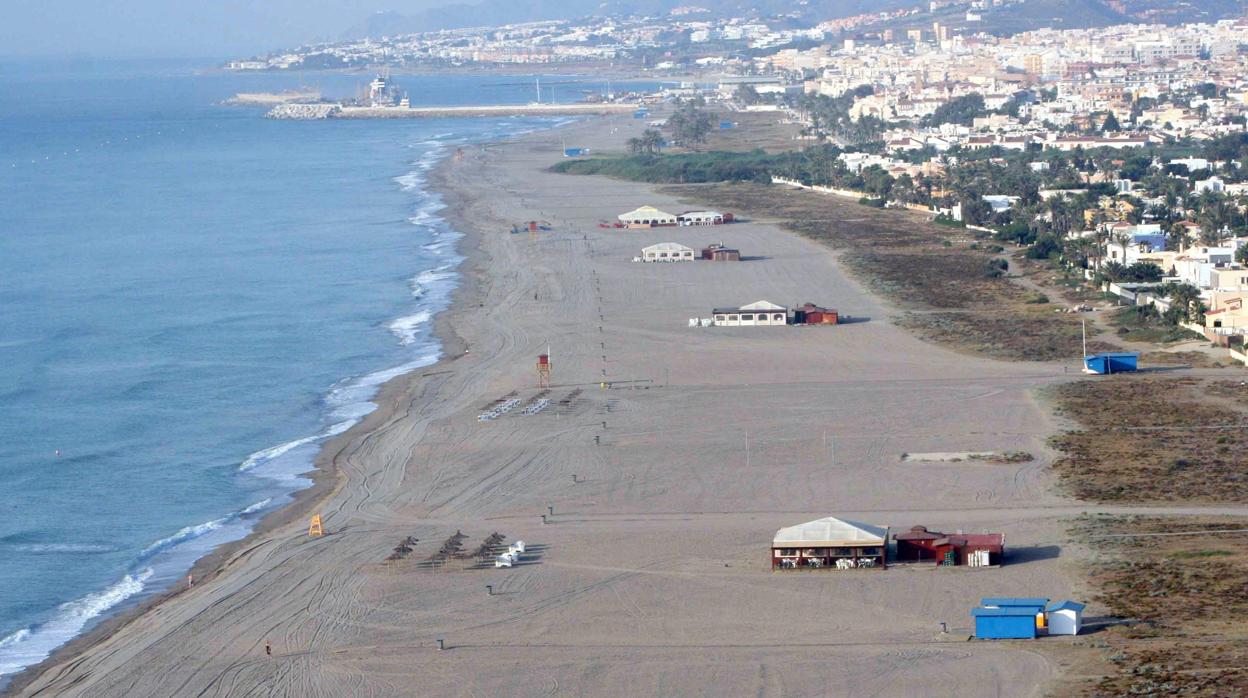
(1065, 617)
(757, 314)
(667, 252)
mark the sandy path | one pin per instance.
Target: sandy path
(651, 578)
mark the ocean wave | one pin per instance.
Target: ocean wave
(268, 454)
(410, 181)
(192, 532)
(33, 644)
(352, 398)
(427, 215)
(64, 548)
(407, 328)
(432, 276)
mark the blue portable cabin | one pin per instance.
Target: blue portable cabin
(640, 114)
(573, 152)
(1111, 362)
(727, 124)
(1035, 603)
(1004, 623)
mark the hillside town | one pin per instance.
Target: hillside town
(1118, 151)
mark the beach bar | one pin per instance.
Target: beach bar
(970, 549)
(756, 314)
(830, 543)
(667, 252)
(646, 217)
(811, 314)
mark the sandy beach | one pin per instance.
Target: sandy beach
(651, 577)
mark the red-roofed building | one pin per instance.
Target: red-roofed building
(974, 549)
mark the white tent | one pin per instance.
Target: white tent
(758, 313)
(830, 532)
(647, 216)
(701, 218)
(667, 252)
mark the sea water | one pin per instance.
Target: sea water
(192, 299)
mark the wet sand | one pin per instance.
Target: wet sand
(651, 577)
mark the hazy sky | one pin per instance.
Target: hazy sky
(202, 28)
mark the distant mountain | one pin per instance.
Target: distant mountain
(1178, 11)
(1013, 17)
(494, 12)
(1027, 15)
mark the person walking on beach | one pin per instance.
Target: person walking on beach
(268, 649)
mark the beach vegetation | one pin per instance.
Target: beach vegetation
(675, 168)
(1106, 458)
(1173, 586)
(691, 123)
(649, 143)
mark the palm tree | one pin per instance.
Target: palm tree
(652, 140)
(1101, 238)
(1122, 240)
(1185, 302)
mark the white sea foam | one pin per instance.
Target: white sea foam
(410, 181)
(268, 454)
(33, 644)
(407, 328)
(258, 506)
(64, 548)
(433, 276)
(193, 532)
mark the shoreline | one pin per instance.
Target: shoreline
(394, 436)
(325, 473)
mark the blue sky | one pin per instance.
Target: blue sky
(177, 28)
